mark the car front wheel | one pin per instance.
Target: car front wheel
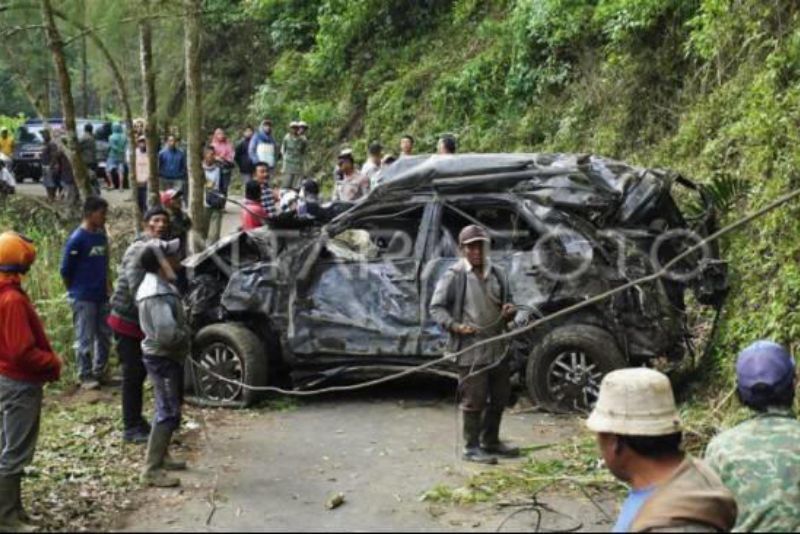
(231, 351)
(566, 366)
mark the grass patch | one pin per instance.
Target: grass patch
(574, 465)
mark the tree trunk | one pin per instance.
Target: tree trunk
(149, 85)
(194, 117)
(67, 103)
(84, 67)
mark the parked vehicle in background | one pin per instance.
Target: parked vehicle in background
(27, 158)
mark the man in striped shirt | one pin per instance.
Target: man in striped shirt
(269, 198)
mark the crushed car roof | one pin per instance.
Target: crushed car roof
(616, 193)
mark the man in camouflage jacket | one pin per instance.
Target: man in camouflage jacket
(759, 460)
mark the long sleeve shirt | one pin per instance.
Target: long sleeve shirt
(172, 164)
(25, 351)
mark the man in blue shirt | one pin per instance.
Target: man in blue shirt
(84, 269)
(639, 434)
(172, 166)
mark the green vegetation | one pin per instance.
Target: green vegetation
(708, 88)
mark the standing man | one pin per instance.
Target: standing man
(639, 434)
(351, 185)
(759, 460)
(269, 196)
(172, 166)
(214, 195)
(242, 156)
(142, 173)
(473, 302)
(66, 177)
(27, 361)
(115, 164)
(446, 145)
(6, 142)
(124, 321)
(372, 167)
(87, 145)
(166, 342)
(49, 165)
(84, 269)
(263, 147)
(294, 158)
(406, 146)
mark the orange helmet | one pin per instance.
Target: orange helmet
(17, 253)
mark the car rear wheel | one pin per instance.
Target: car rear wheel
(566, 366)
(234, 352)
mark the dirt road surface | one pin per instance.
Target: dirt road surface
(382, 449)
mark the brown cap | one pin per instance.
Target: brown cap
(471, 234)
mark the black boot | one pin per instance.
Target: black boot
(472, 448)
(11, 505)
(490, 437)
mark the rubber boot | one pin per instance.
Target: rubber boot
(154, 474)
(490, 438)
(171, 464)
(10, 505)
(472, 449)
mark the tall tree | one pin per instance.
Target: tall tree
(56, 46)
(194, 112)
(149, 85)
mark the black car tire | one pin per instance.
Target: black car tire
(231, 350)
(566, 366)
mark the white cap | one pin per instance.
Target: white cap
(635, 402)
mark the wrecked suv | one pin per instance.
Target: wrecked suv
(304, 302)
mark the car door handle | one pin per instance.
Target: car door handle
(533, 271)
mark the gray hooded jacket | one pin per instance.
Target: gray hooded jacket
(162, 319)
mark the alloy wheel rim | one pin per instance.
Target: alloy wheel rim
(223, 360)
(573, 380)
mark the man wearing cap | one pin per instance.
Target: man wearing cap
(164, 348)
(759, 460)
(124, 322)
(472, 302)
(27, 361)
(351, 184)
(179, 222)
(639, 434)
(294, 157)
(263, 147)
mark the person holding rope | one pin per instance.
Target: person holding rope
(472, 301)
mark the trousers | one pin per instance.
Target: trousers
(20, 412)
(167, 378)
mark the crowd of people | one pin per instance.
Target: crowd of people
(749, 479)
(285, 180)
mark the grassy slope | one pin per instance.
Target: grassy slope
(708, 88)
(704, 92)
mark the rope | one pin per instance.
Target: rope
(661, 273)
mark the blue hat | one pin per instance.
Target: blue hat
(763, 370)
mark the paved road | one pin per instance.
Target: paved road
(383, 449)
(274, 470)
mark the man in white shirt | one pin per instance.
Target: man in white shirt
(373, 163)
